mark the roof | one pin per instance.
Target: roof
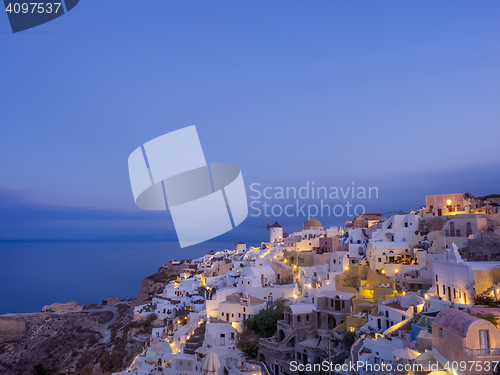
(389, 244)
(301, 308)
(456, 321)
(483, 266)
(257, 271)
(312, 223)
(276, 225)
(335, 293)
(396, 306)
(241, 243)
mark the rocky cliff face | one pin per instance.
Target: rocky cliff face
(86, 340)
(56, 340)
(64, 342)
(154, 284)
(63, 307)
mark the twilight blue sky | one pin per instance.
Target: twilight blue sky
(401, 95)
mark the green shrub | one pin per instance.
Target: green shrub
(349, 339)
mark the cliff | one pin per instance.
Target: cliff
(85, 340)
(154, 284)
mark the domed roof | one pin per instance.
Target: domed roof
(312, 223)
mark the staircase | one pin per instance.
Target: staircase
(196, 340)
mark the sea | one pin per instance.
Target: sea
(35, 274)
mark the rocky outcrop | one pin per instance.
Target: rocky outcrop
(55, 340)
(85, 340)
(482, 249)
(154, 284)
(63, 307)
(12, 329)
(94, 341)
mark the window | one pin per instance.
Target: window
(223, 313)
(403, 317)
(387, 314)
(484, 339)
(444, 290)
(380, 260)
(452, 225)
(406, 225)
(298, 318)
(307, 317)
(239, 315)
(180, 363)
(299, 356)
(313, 300)
(232, 335)
(458, 232)
(437, 289)
(436, 277)
(441, 332)
(343, 304)
(232, 315)
(469, 229)
(189, 363)
(244, 309)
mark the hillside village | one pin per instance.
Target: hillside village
(413, 293)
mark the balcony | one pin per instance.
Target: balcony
(490, 352)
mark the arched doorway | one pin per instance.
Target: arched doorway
(281, 335)
(331, 322)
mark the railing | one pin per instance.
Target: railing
(263, 367)
(490, 352)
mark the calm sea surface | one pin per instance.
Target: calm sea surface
(35, 274)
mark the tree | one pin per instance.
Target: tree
(349, 339)
(250, 350)
(489, 317)
(39, 369)
(265, 322)
(279, 307)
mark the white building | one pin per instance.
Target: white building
(388, 257)
(275, 233)
(397, 228)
